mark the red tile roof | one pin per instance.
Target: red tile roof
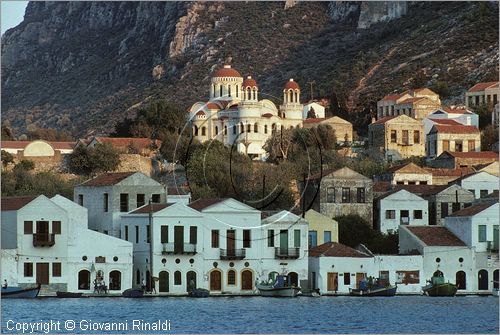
(200, 113)
(457, 110)
(455, 129)
(450, 172)
(290, 84)
(473, 210)
(333, 249)
(107, 179)
(449, 122)
(23, 144)
(473, 154)
(315, 120)
(212, 105)
(15, 203)
(226, 71)
(384, 120)
(124, 142)
(201, 204)
(422, 190)
(249, 82)
(381, 186)
(150, 208)
(435, 236)
(482, 86)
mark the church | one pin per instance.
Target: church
(235, 115)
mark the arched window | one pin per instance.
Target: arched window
(248, 93)
(195, 130)
(216, 130)
(177, 278)
(115, 280)
(234, 130)
(290, 96)
(254, 94)
(237, 89)
(190, 281)
(231, 277)
(296, 96)
(255, 128)
(461, 280)
(482, 280)
(163, 285)
(203, 131)
(495, 279)
(293, 279)
(249, 128)
(220, 91)
(138, 277)
(225, 130)
(215, 280)
(265, 129)
(229, 90)
(214, 91)
(84, 280)
(242, 128)
(246, 280)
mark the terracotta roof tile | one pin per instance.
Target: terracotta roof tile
(457, 110)
(473, 210)
(226, 71)
(455, 129)
(393, 97)
(15, 203)
(407, 168)
(435, 236)
(107, 179)
(290, 84)
(201, 204)
(249, 82)
(315, 120)
(23, 144)
(449, 122)
(333, 249)
(150, 208)
(482, 86)
(473, 154)
(213, 105)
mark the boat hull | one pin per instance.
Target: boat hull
(20, 293)
(133, 293)
(288, 292)
(199, 293)
(440, 290)
(378, 292)
(60, 294)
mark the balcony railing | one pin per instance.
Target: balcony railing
(226, 254)
(282, 253)
(43, 240)
(186, 248)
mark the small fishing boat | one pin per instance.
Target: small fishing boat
(278, 288)
(133, 293)
(373, 288)
(438, 288)
(60, 294)
(15, 292)
(199, 293)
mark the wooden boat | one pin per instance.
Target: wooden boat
(373, 288)
(438, 288)
(199, 293)
(278, 288)
(133, 293)
(15, 292)
(60, 294)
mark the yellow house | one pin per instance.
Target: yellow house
(322, 229)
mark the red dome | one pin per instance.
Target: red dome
(227, 71)
(249, 82)
(292, 85)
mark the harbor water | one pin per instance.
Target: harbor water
(400, 314)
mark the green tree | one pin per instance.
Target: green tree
(101, 158)
(7, 134)
(484, 113)
(489, 138)
(25, 165)
(7, 158)
(178, 148)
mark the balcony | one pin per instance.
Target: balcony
(291, 253)
(226, 254)
(186, 249)
(43, 240)
(492, 247)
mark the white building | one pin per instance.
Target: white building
(480, 183)
(315, 107)
(400, 207)
(459, 114)
(46, 241)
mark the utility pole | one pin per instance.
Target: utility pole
(311, 83)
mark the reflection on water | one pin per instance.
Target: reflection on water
(400, 314)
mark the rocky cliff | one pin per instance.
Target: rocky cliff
(82, 66)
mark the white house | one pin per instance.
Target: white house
(400, 207)
(480, 183)
(46, 241)
(318, 110)
(460, 114)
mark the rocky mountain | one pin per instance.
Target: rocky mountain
(83, 66)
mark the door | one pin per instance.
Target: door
(42, 272)
(293, 279)
(359, 277)
(246, 280)
(190, 281)
(178, 239)
(461, 280)
(231, 242)
(215, 280)
(284, 242)
(332, 281)
(482, 278)
(163, 287)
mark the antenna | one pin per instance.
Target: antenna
(311, 83)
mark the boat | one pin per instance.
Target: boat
(438, 288)
(373, 288)
(278, 288)
(199, 293)
(133, 293)
(15, 292)
(60, 294)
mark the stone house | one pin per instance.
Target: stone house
(342, 128)
(452, 138)
(417, 103)
(322, 229)
(396, 138)
(407, 174)
(338, 193)
(482, 94)
(458, 160)
(480, 183)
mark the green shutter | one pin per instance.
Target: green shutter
(296, 238)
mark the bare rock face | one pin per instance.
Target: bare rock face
(365, 13)
(158, 72)
(290, 3)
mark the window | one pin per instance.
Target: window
(249, 128)
(394, 136)
(126, 233)
(265, 129)
(242, 128)
(215, 238)
(404, 213)
(136, 234)
(105, 201)
(416, 136)
(231, 277)
(407, 277)
(56, 227)
(225, 130)
(483, 193)
(313, 238)
(405, 137)
(346, 194)
(140, 200)
(360, 196)
(164, 234)
(234, 130)
(203, 131)
(296, 238)
(28, 269)
(455, 207)
(193, 234)
(482, 233)
(390, 214)
(330, 194)
(195, 130)
(446, 145)
(472, 145)
(56, 269)
(80, 199)
(155, 198)
(28, 227)
(148, 234)
(255, 128)
(123, 202)
(417, 214)
(347, 278)
(458, 146)
(246, 238)
(177, 278)
(270, 238)
(327, 236)
(444, 209)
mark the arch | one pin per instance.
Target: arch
(254, 94)
(237, 90)
(177, 278)
(229, 90)
(461, 280)
(438, 274)
(246, 280)
(190, 281)
(38, 148)
(195, 130)
(296, 96)
(289, 96)
(115, 280)
(216, 130)
(272, 276)
(84, 280)
(255, 127)
(220, 90)
(249, 128)
(248, 94)
(215, 280)
(482, 280)
(138, 277)
(164, 281)
(203, 131)
(293, 279)
(214, 91)
(225, 130)
(231, 277)
(265, 129)
(495, 279)
(242, 128)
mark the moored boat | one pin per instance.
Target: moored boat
(15, 292)
(438, 288)
(278, 288)
(133, 293)
(199, 293)
(373, 288)
(60, 294)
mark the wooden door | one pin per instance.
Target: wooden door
(164, 285)
(332, 281)
(230, 242)
(246, 280)
(42, 273)
(178, 239)
(215, 280)
(359, 277)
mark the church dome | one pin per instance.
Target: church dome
(249, 82)
(292, 85)
(226, 71)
